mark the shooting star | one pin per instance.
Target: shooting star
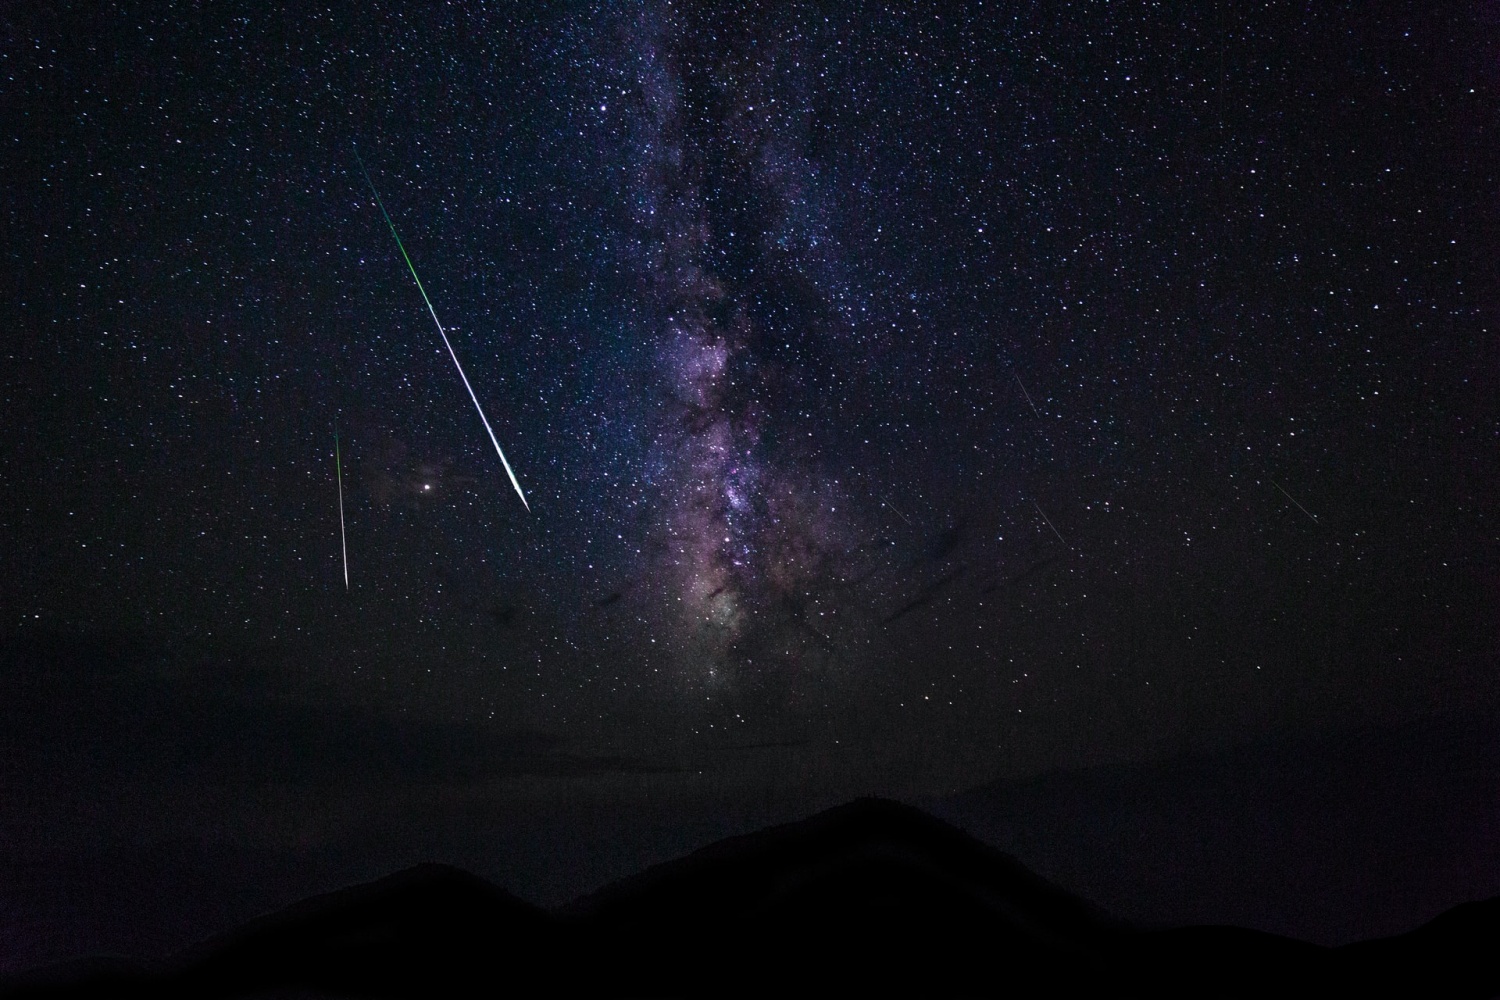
(1039, 510)
(442, 333)
(338, 465)
(1294, 501)
(897, 512)
(1025, 393)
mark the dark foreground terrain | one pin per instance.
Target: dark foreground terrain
(868, 898)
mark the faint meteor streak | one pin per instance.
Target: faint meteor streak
(442, 333)
(1294, 501)
(1026, 394)
(1060, 538)
(897, 512)
(338, 465)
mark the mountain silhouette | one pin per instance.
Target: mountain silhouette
(1335, 838)
(868, 898)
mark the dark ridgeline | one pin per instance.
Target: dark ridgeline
(869, 898)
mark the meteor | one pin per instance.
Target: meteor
(892, 506)
(338, 466)
(1294, 500)
(1039, 510)
(1025, 393)
(442, 333)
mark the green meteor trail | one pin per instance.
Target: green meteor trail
(441, 332)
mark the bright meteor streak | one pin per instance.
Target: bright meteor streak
(338, 465)
(442, 333)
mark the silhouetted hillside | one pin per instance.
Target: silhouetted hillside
(869, 898)
(1331, 839)
(871, 895)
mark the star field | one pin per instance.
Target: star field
(935, 395)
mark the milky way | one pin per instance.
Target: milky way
(752, 528)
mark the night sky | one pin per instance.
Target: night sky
(905, 400)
